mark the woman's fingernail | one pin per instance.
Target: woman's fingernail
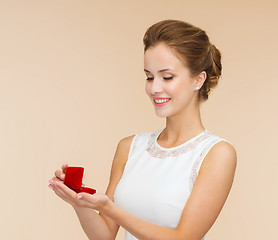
(62, 176)
(79, 196)
(50, 187)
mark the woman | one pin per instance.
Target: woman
(171, 183)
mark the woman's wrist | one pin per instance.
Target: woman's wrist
(76, 208)
(108, 207)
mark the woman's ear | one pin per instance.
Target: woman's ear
(200, 79)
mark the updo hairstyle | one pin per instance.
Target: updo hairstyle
(192, 46)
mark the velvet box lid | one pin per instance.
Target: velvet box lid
(73, 179)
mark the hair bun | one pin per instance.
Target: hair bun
(213, 71)
(216, 57)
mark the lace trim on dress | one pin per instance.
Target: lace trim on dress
(133, 144)
(161, 153)
(194, 173)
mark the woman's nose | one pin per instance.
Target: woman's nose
(156, 86)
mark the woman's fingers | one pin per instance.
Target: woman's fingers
(64, 167)
(63, 191)
(69, 192)
(56, 179)
(85, 200)
(97, 201)
(84, 196)
(63, 196)
(59, 192)
(59, 174)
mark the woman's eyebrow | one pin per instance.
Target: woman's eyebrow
(162, 70)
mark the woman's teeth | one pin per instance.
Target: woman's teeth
(162, 100)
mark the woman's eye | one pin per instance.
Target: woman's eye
(165, 78)
(168, 78)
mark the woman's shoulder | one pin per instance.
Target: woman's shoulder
(220, 151)
(224, 148)
(217, 146)
(126, 140)
(222, 142)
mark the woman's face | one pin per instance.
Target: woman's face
(169, 79)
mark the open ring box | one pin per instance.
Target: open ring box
(73, 179)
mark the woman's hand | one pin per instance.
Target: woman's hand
(97, 201)
(58, 186)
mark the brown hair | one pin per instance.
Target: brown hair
(192, 46)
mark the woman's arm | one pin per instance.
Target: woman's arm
(116, 173)
(96, 226)
(206, 200)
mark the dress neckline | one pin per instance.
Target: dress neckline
(179, 146)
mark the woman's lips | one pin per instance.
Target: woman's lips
(161, 104)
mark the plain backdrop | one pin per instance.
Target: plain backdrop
(72, 85)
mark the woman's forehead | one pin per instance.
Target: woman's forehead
(161, 54)
(161, 57)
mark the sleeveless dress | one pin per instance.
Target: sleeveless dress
(157, 181)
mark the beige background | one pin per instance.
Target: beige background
(72, 85)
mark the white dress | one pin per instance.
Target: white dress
(157, 181)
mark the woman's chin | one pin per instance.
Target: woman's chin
(162, 114)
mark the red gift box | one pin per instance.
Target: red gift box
(73, 179)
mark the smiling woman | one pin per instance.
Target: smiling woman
(170, 183)
(191, 45)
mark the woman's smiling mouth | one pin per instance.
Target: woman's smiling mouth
(161, 101)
